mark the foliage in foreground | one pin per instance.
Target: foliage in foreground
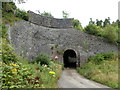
(7, 52)
(104, 71)
(28, 75)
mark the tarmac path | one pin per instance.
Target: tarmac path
(71, 79)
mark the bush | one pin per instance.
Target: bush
(105, 73)
(8, 54)
(22, 14)
(20, 75)
(76, 24)
(97, 59)
(101, 57)
(8, 7)
(92, 29)
(3, 31)
(108, 56)
(110, 34)
(43, 59)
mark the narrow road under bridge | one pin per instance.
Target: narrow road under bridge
(71, 79)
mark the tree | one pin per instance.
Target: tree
(8, 7)
(110, 33)
(91, 21)
(106, 21)
(99, 23)
(65, 14)
(76, 24)
(22, 14)
(92, 29)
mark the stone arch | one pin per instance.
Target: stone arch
(70, 58)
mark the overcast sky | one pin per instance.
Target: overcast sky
(78, 9)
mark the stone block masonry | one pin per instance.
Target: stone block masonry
(30, 39)
(49, 21)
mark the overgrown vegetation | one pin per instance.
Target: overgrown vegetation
(8, 55)
(106, 30)
(16, 72)
(19, 73)
(77, 25)
(102, 68)
(28, 75)
(44, 73)
(43, 59)
(11, 13)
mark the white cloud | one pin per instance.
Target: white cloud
(79, 9)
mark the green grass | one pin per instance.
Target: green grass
(105, 73)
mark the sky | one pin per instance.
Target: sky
(82, 10)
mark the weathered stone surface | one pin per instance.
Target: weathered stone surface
(49, 22)
(30, 40)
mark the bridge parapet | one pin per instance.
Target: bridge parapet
(49, 21)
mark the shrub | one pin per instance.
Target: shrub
(22, 14)
(43, 59)
(76, 24)
(108, 56)
(110, 34)
(97, 59)
(92, 29)
(8, 54)
(3, 31)
(20, 75)
(8, 7)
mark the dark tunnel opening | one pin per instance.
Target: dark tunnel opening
(69, 59)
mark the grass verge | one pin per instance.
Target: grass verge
(105, 72)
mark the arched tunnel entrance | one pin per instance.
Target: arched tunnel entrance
(70, 58)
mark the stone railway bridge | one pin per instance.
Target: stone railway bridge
(55, 37)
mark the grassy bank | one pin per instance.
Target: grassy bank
(104, 72)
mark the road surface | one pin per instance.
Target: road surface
(71, 79)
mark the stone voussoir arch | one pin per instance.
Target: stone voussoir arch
(70, 52)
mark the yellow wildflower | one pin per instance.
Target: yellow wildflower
(51, 72)
(13, 64)
(14, 71)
